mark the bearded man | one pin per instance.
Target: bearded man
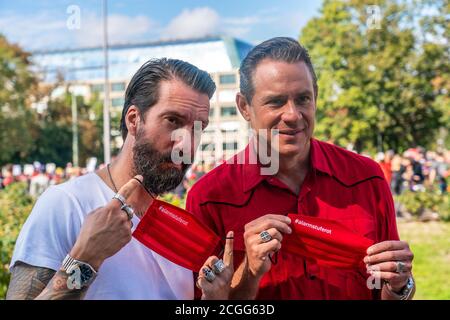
(82, 229)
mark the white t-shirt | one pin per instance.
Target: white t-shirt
(135, 272)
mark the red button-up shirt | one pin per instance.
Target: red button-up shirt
(341, 186)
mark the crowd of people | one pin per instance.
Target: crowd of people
(38, 176)
(416, 169)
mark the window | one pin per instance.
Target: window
(228, 130)
(230, 146)
(208, 147)
(118, 86)
(97, 87)
(117, 102)
(228, 111)
(227, 79)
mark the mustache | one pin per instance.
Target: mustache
(160, 173)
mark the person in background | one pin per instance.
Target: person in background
(39, 182)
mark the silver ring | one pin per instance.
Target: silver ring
(129, 210)
(120, 198)
(265, 236)
(400, 267)
(209, 275)
(218, 266)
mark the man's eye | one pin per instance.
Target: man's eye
(304, 99)
(276, 102)
(173, 121)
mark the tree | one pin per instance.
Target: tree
(54, 142)
(16, 116)
(377, 75)
(28, 134)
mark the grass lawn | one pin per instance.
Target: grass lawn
(430, 243)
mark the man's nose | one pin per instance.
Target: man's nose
(291, 113)
(182, 139)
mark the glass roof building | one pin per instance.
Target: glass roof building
(220, 56)
(213, 54)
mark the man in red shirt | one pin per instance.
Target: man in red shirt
(278, 91)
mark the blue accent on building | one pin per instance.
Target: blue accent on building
(213, 54)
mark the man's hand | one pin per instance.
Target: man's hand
(383, 261)
(257, 251)
(219, 288)
(106, 230)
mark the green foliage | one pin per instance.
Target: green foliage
(54, 138)
(386, 83)
(174, 199)
(27, 135)
(416, 202)
(430, 243)
(16, 118)
(15, 206)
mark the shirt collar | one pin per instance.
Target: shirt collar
(251, 171)
(343, 165)
(318, 158)
(347, 167)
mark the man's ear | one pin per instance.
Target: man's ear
(132, 118)
(243, 106)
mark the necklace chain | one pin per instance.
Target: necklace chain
(110, 178)
(115, 188)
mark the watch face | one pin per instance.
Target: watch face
(410, 283)
(86, 274)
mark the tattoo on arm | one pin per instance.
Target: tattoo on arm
(57, 289)
(29, 282)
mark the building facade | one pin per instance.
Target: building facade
(83, 70)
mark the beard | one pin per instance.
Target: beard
(160, 173)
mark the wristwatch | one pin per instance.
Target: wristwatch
(81, 274)
(406, 291)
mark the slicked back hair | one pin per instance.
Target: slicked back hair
(143, 89)
(278, 49)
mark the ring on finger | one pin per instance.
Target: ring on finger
(129, 211)
(265, 236)
(218, 266)
(209, 275)
(119, 198)
(400, 267)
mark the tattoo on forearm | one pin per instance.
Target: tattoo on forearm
(57, 289)
(30, 282)
(27, 282)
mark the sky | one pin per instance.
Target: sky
(58, 24)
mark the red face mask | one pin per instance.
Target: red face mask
(327, 242)
(176, 235)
